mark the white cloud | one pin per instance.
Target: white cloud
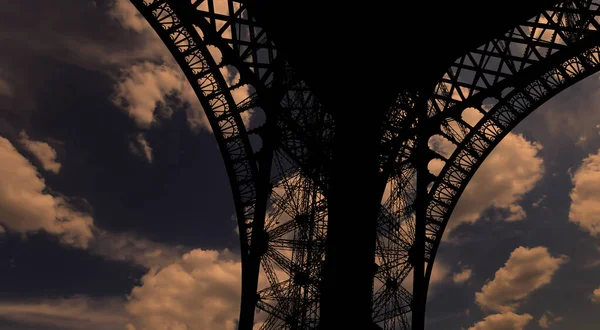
(139, 146)
(42, 151)
(129, 16)
(441, 145)
(136, 250)
(548, 318)
(596, 296)
(26, 208)
(508, 173)
(143, 86)
(199, 291)
(526, 270)
(462, 276)
(585, 208)
(75, 313)
(147, 70)
(503, 321)
(75, 227)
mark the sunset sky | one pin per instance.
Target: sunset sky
(116, 211)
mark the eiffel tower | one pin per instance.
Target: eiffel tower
(344, 188)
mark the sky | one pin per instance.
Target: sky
(116, 212)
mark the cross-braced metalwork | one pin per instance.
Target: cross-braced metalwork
(433, 140)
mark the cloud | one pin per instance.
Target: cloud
(463, 276)
(75, 227)
(581, 140)
(439, 275)
(508, 173)
(5, 88)
(76, 38)
(136, 250)
(544, 322)
(149, 45)
(595, 297)
(526, 270)
(578, 124)
(201, 288)
(42, 151)
(126, 50)
(199, 291)
(142, 87)
(25, 207)
(547, 319)
(503, 321)
(585, 208)
(74, 313)
(129, 16)
(139, 146)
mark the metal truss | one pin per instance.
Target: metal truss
(502, 82)
(279, 185)
(479, 100)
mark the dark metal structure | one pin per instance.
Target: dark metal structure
(373, 126)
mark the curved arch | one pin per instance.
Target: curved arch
(484, 137)
(268, 220)
(492, 70)
(223, 113)
(530, 48)
(539, 58)
(517, 97)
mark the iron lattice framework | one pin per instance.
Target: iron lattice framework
(433, 141)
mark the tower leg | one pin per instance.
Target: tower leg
(251, 269)
(248, 301)
(354, 200)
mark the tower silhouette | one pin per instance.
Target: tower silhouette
(375, 118)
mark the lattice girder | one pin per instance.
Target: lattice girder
(520, 70)
(244, 45)
(229, 22)
(296, 226)
(498, 64)
(214, 94)
(569, 35)
(289, 107)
